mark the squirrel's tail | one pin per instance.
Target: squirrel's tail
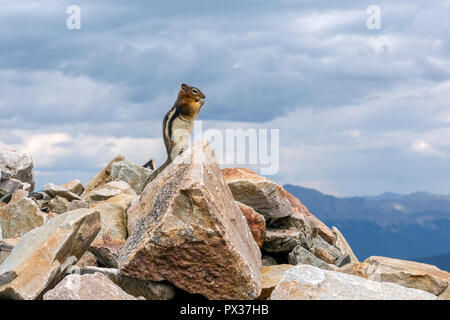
(157, 171)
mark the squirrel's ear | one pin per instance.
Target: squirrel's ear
(184, 86)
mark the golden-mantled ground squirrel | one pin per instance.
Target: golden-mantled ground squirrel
(178, 123)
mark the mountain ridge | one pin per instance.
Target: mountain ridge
(390, 224)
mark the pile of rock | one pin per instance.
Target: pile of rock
(195, 229)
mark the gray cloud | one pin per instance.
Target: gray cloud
(312, 69)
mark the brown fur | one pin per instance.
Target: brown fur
(181, 116)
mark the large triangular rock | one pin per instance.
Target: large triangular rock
(187, 229)
(41, 257)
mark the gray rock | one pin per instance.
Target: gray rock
(74, 186)
(108, 191)
(5, 196)
(20, 165)
(343, 260)
(325, 251)
(78, 204)
(120, 169)
(4, 173)
(10, 185)
(268, 261)
(284, 241)
(58, 205)
(53, 190)
(87, 287)
(302, 256)
(150, 290)
(309, 283)
(41, 257)
(133, 174)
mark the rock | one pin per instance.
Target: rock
(296, 221)
(187, 229)
(3, 256)
(343, 260)
(409, 274)
(120, 169)
(18, 218)
(19, 165)
(78, 204)
(284, 241)
(41, 257)
(302, 256)
(2, 204)
(10, 185)
(284, 234)
(150, 290)
(53, 190)
(268, 261)
(318, 227)
(271, 275)
(4, 173)
(26, 186)
(74, 186)
(87, 260)
(325, 251)
(263, 195)
(39, 196)
(87, 287)
(309, 283)
(18, 195)
(109, 190)
(43, 205)
(58, 205)
(8, 244)
(445, 295)
(122, 200)
(255, 221)
(5, 196)
(342, 245)
(112, 236)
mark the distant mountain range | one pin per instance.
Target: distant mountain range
(390, 224)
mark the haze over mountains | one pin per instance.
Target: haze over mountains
(414, 226)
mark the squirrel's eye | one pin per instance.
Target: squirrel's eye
(194, 91)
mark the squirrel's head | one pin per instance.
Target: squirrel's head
(191, 95)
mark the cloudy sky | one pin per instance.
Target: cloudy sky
(359, 111)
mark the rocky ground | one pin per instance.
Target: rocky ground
(194, 230)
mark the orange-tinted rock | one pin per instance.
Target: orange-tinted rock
(263, 195)
(112, 236)
(18, 195)
(271, 275)
(122, 200)
(255, 221)
(408, 274)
